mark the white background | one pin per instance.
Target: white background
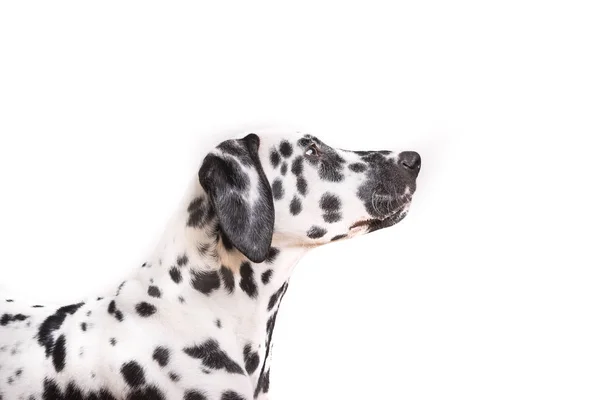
(490, 287)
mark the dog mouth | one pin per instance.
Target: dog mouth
(378, 223)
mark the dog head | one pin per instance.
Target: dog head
(302, 192)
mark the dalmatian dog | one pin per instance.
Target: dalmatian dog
(195, 320)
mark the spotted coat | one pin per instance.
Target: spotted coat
(195, 319)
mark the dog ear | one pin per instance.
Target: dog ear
(241, 196)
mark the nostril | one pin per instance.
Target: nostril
(410, 160)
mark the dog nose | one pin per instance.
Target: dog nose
(410, 160)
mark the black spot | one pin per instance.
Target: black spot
(181, 299)
(231, 395)
(295, 206)
(83, 326)
(276, 296)
(218, 323)
(145, 309)
(285, 148)
(284, 168)
(277, 189)
(275, 158)
(298, 166)
(228, 280)
(373, 157)
(301, 185)
(330, 202)
(251, 359)
(213, 357)
(174, 377)
(147, 393)
(51, 390)
(154, 291)
(330, 173)
(112, 309)
(59, 353)
(175, 274)
(37, 306)
(205, 281)
(9, 300)
(53, 323)
(161, 356)
(338, 237)
(332, 217)
(358, 167)
(18, 372)
(133, 374)
(316, 232)
(113, 341)
(182, 260)
(272, 255)
(266, 276)
(247, 282)
(194, 395)
(8, 318)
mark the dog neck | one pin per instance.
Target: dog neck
(197, 276)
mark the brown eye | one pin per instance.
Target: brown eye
(312, 150)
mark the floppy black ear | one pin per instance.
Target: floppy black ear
(241, 196)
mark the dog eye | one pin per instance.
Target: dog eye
(312, 151)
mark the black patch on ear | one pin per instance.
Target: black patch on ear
(316, 232)
(248, 226)
(285, 148)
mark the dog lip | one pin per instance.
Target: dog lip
(369, 221)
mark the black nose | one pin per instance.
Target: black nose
(410, 160)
